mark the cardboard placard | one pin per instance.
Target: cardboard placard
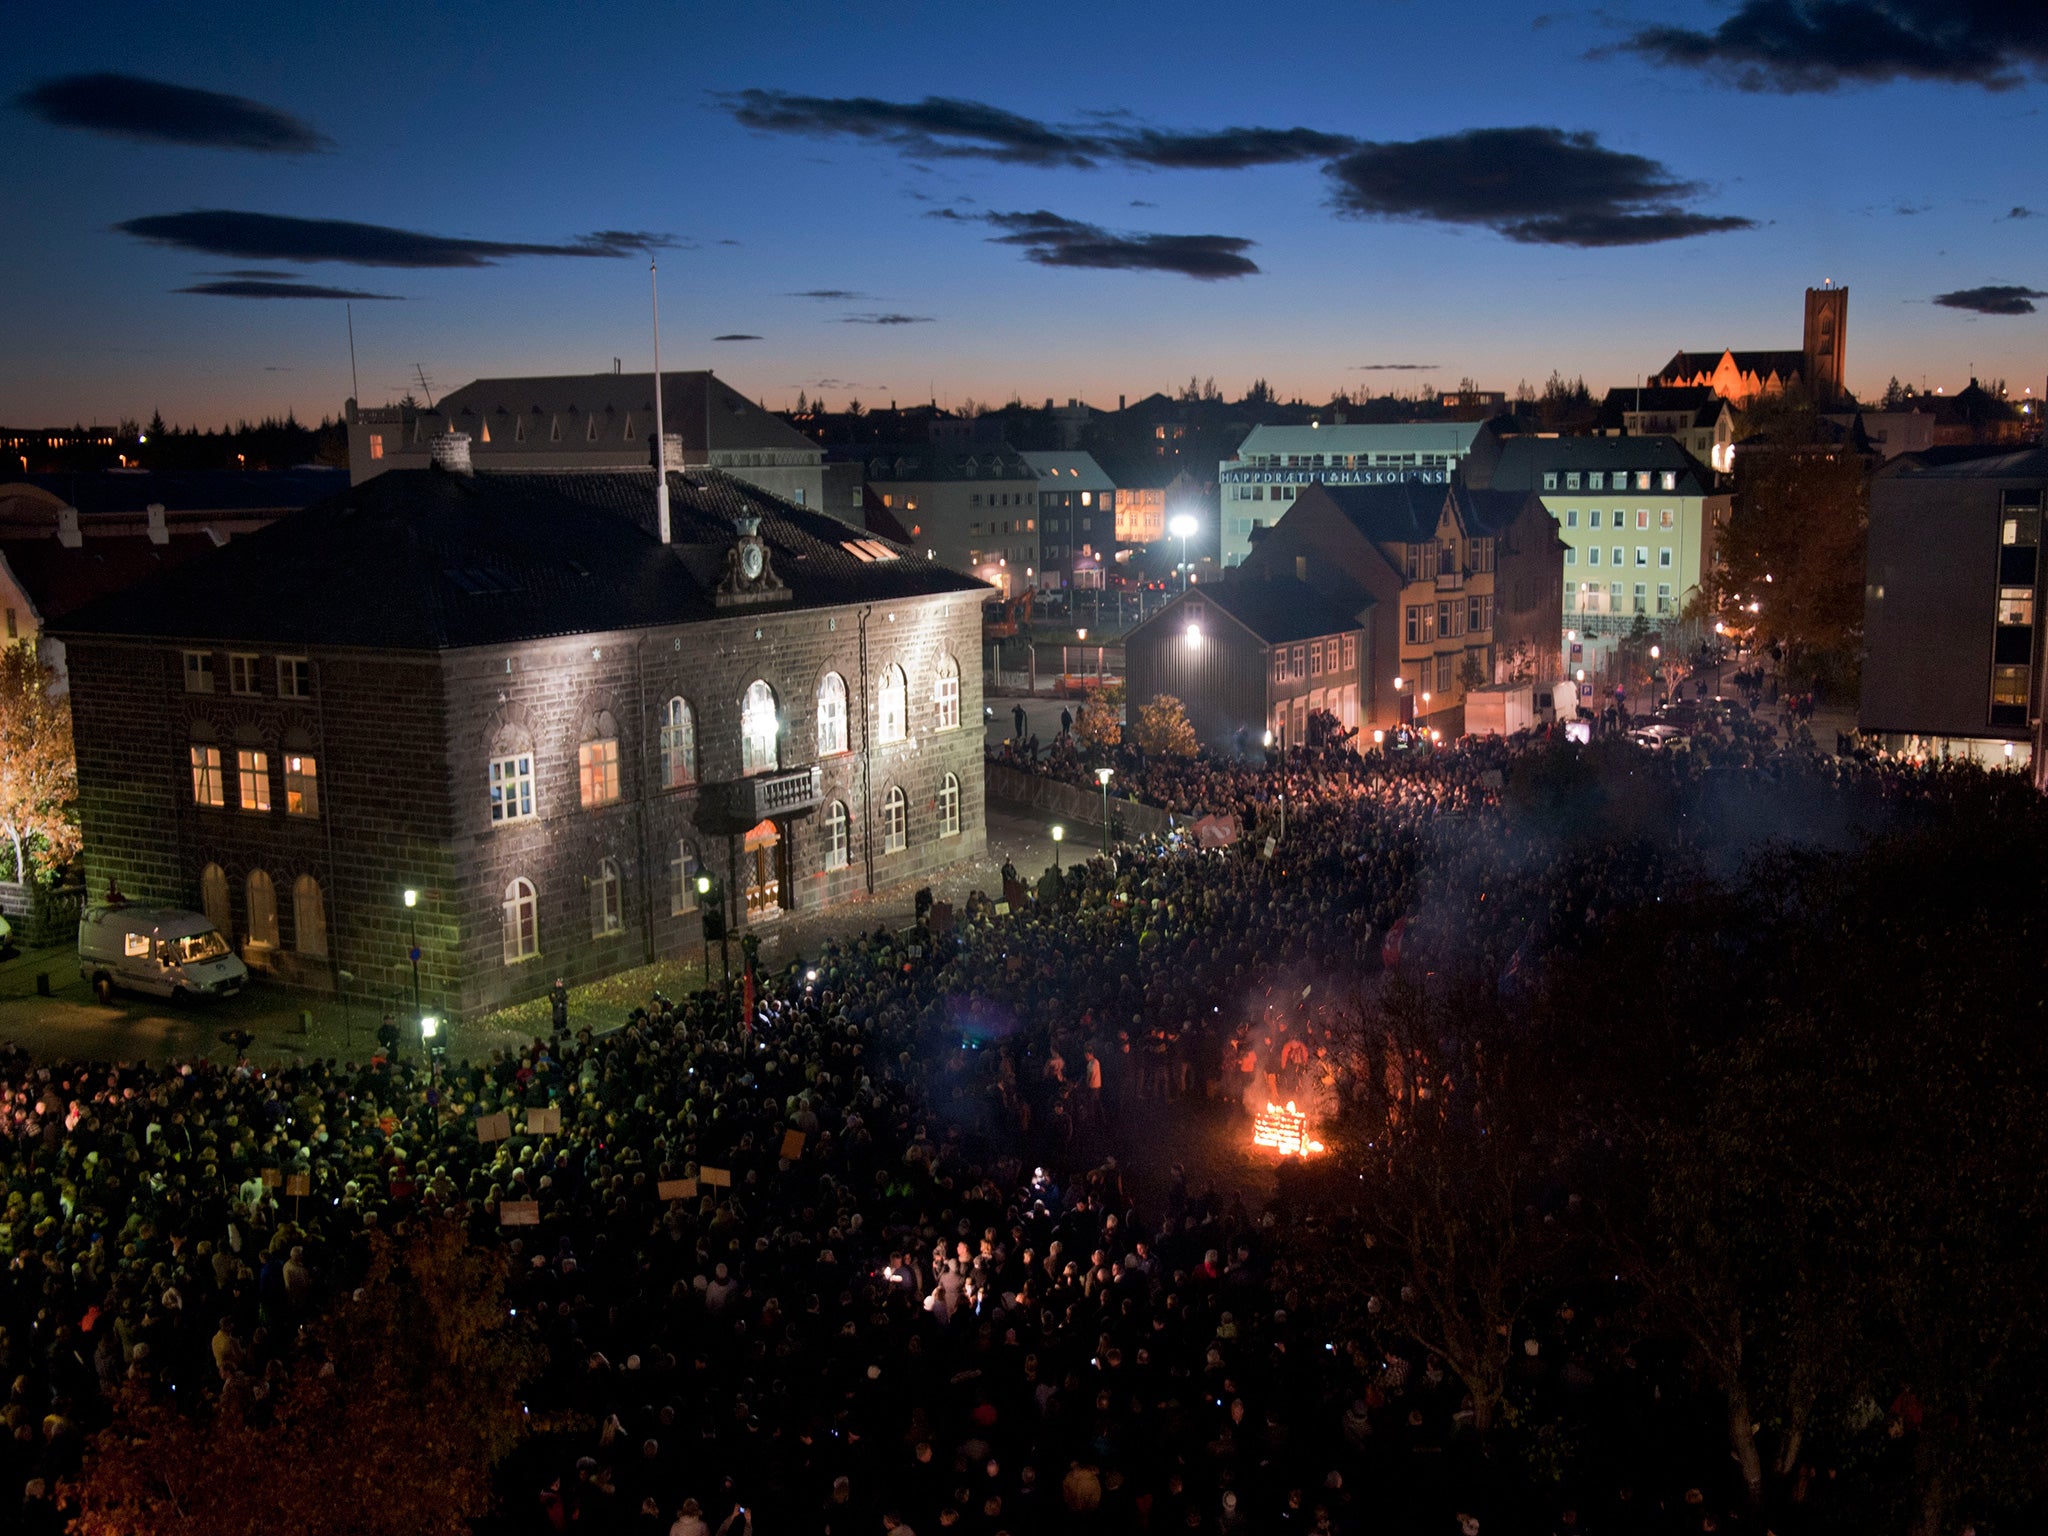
(518, 1213)
(544, 1122)
(299, 1184)
(272, 1178)
(1002, 909)
(496, 1127)
(716, 1178)
(792, 1144)
(676, 1189)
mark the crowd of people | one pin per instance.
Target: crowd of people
(945, 1237)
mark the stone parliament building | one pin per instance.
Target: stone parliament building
(506, 693)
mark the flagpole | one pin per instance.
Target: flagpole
(660, 442)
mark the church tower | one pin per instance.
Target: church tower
(1827, 341)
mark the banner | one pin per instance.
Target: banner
(518, 1213)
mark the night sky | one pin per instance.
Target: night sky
(949, 201)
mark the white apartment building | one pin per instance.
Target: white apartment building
(1261, 482)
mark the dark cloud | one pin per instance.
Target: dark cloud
(1052, 240)
(131, 107)
(1822, 45)
(1994, 299)
(260, 274)
(278, 237)
(1394, 367)
(835, 295)
(2023, 212)
(1139, 202)
(885, 319)
(253, 288)
(736, 336)
(946, 128)
(1536, 186)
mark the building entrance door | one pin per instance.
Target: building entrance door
(764, 860)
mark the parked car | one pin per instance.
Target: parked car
(159, 950)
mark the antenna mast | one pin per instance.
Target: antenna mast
(425, 388)
(660, 441)
(353, 388)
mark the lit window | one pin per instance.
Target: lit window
(606, 912)
(1642, 479)
(759, 730)
(1642, 517)
(2009, 687)
(521, 914)
(294, 678)
(253, 769)
(946, 694)
(376, 445)
(2016, 605)
(301, 785)
(683, 867)
(949, 806)
(597, 771)
(831, 715)
(892, 722)
(895, 822)
(678, 744)
(1669, 480)
(209, 785)
(242, 674)
(512, 787)
(1665, 518)
(835, 836)
(199, 672)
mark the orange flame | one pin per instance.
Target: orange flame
(1285, 1130)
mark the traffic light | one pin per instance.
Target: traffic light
(711, 899)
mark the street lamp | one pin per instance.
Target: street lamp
(704, 890)
(412, 902)
(1183, 528)
(1102, 777)
(1059, 835)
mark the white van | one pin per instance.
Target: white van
(156, 949)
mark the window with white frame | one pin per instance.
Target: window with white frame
(832, 739)
(199, 671)
(512, 787)
(946, 694)
(1666, 518)
(242, 673)
(760, 728)
(294, 677)
(683, 868)
(209, 785)
(1280, 664)
(252, 769)
(678, 744)
(1350, 652)
(597, 770)
(836, 836)
(1664, 559)
(521, 921)
(892, 714)
(895, 822)
(607, 913)
(949, 806)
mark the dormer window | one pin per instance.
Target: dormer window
(590, 431)
(554, 429)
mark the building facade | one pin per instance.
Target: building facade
(1952, 610)
(1248, 656)
(597, 421)
(504, 693)
(1818, 367)
(1077, 519)
(1641, 520)
(1695, 417)
(1273, 463)
(977, 512)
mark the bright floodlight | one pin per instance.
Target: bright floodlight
(1183, 527)
(1267, 740)
(1582, 674)
(1400, 683)
(703, 885)
(1656, 651)
(429, 1026)
(1379, 738)
(412, 897)
(1059, 834)
(1192, 634)
(1102, 776)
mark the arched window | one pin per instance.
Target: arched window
(213, 898)
(309, 917)
(895, 822)
(949, 806)
(759, 730)
(607, 913)
(835, 836)
(521, 921)
(262, 911)
(683, 868)
(831, 715)
(678, 744)
(946, 694)
(892, 721)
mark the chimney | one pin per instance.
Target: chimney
(67, 527)
(450, 451)
(158, 532)
(1119, 402)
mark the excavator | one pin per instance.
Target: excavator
(999, 620)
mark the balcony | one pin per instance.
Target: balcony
(1450, 581)
(739, 804)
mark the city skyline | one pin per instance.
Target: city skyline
(929, 210)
